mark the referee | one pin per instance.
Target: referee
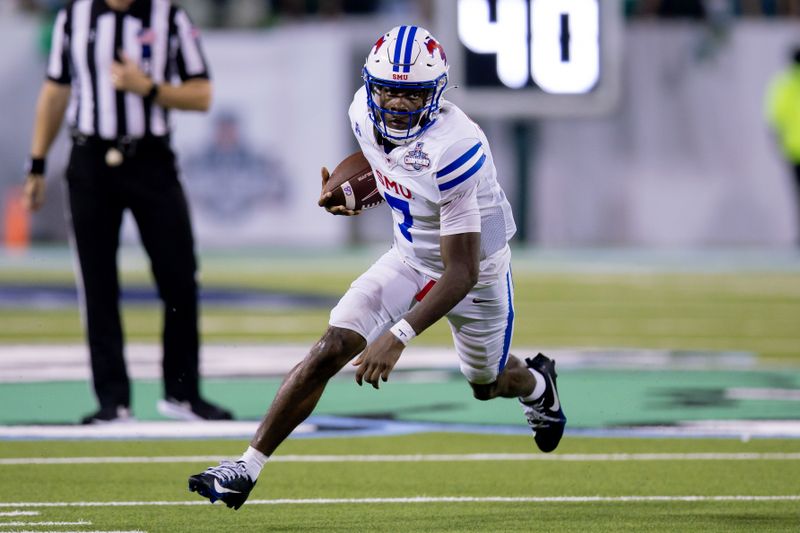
(116, 69)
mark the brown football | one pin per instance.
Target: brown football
(353, 184)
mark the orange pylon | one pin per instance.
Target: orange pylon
(16, 220)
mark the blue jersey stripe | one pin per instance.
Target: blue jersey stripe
(465, 176)
(409, 49)
(509, 323)
(458, 162)
(398, 48)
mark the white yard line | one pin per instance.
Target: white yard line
(432, 499)
(417, 458)
(20, 513)
(47, 523)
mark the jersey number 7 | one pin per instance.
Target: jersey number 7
(404, 209)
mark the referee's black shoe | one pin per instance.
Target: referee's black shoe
(198, 409)
(545, 415)
(108, 415)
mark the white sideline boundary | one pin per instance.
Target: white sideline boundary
(431, 499)
(743, 430)
(417, 458)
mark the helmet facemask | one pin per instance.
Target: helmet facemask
(405, 75)
(402, 111)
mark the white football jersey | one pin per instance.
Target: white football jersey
(442, 183)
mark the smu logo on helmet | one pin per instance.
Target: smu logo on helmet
(432, 44)
(390, 185)
(401, 77)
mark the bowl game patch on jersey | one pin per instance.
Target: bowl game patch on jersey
(416, 158)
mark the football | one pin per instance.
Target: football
(352, 184)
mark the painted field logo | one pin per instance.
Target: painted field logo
(417, 158)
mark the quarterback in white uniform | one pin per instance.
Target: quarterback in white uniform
(441, 184)
(450, 258)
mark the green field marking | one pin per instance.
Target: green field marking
(592, 398)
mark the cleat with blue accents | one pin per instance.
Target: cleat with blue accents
(545, 416)
(228, 482)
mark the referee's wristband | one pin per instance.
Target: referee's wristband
(152, 94)
(403, 331)
(36, 166)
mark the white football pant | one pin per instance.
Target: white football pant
(482, 323)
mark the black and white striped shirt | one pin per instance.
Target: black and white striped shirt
(87, 38)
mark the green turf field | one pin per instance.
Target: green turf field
(429, 482)
(442, 481)
(690, 306)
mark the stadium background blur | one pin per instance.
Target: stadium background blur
(680, 156)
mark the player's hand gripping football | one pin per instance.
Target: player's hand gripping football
(323, 198)
(378, 360)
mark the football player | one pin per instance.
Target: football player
(450, 258)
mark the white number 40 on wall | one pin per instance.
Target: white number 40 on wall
(562, 54)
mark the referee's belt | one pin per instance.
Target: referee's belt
(118, 149)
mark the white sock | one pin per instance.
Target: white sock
(538, 390)
(254, 461)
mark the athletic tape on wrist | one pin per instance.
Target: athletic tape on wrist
(403, 331)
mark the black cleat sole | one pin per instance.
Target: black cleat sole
(196, 485)
(201, 487)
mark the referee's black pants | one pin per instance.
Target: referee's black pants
(146, 183)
